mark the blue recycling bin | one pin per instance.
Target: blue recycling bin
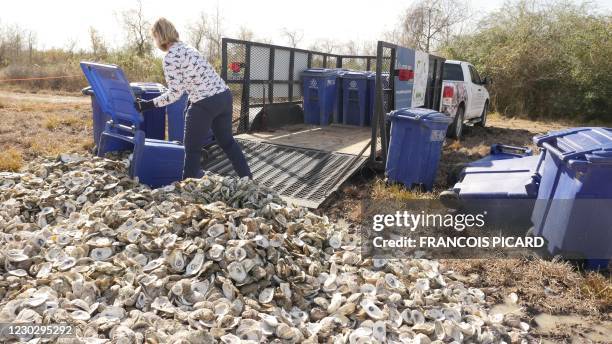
(319, 91)
(573, 209)
(154, 124)
(417, 136)
(176, 121)
(506, 188)
(338, 101)
(154, 162)
(354, 98)
(372, 94)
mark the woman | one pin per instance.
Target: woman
(186, 70)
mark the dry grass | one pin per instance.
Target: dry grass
(552, 287)
(42, 126)
(10, 160)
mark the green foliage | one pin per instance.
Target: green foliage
(545, 61)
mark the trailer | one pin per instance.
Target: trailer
(308, 163)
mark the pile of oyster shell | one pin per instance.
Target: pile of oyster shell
(212, 260)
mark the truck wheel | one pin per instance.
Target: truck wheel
(456, 128)
(483, 117)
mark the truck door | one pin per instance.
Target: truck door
(477, 103)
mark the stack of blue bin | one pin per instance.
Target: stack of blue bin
(573, 209)
(417, 136)
(155, 162)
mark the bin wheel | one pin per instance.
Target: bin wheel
(456, 129)
(483, 117)
(529, 232)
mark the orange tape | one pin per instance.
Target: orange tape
(42, 78)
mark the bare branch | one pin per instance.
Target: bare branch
(294, 37)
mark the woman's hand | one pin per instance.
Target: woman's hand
(143, 105)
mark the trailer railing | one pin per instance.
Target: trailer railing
(261, 74)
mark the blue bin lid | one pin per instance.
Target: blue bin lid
(113, 91)
(137, 87)
(592, 144)
(419, 114)
(147, 87)
(320, 72)
(355, 75)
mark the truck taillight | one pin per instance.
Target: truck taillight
(447, 95)
(448, 92)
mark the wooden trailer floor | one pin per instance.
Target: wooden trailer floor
(333, 138)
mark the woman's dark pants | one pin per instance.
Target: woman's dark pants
(214, 113)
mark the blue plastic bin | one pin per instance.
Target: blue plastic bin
(154, 124)
(417, 136)
(153, 162)
(516, 178)
(319, 91)
(355, 98)
(506, 189)
(573, 211)
(372, 94)
(502, 152)
(154, 120)
(176, 121)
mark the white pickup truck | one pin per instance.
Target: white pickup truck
(464, 96)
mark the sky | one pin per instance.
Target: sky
(58, 22)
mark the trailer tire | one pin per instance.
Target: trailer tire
(455, 130)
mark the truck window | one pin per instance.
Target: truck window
(452, 72)
(474, 75)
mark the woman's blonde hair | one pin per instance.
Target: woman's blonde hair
(164, 33)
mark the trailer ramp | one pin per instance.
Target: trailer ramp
(302, 176)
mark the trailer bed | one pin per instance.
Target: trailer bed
(333, 138)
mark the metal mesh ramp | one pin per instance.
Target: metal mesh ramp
(305, 177)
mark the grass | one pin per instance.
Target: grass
(43, 125)
(53, 122)
(11, 160)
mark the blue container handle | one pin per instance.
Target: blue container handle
(498, 148)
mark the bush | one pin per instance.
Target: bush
(545, 61)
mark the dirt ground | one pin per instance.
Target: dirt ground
(564, 304)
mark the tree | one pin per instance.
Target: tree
(196, 32)
(214, 34)
(546, 59)
(98, 46)
(324, 46)
(209, 30)
(429, 22)
(294, 37)
(137, 29)
(245, 34)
